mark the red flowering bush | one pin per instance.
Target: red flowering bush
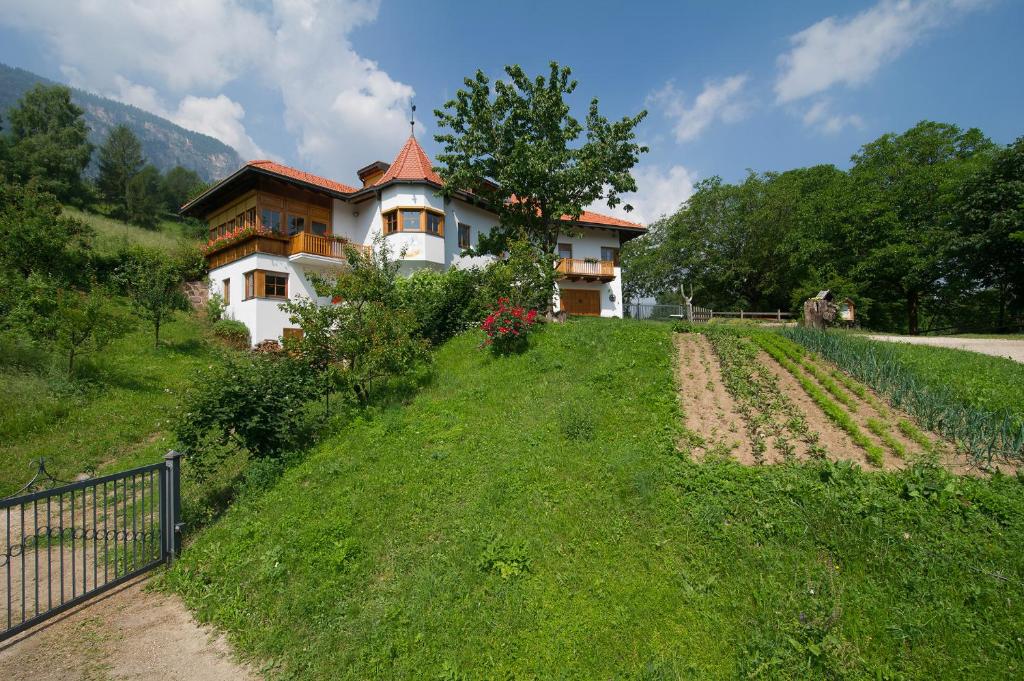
(237, 234)
(508, 326)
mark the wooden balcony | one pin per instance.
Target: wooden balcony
(293, 247)
(305, 243)
(575, 269)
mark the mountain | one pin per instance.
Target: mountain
(164, 144)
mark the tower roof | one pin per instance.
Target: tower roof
(412, 163)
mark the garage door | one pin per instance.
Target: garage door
(580, 301)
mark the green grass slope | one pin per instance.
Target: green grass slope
(112, 416)
(530, 517)
(111, 234)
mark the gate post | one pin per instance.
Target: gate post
(172, 506)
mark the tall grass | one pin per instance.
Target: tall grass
(935, 398)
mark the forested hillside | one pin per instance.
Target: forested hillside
(164, 144)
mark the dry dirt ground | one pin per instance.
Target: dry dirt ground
(126, 633)
(1011, 349)
(713, 415)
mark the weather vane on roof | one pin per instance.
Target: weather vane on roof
(412, 121)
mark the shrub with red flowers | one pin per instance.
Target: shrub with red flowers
(237, 234)
(507, 327)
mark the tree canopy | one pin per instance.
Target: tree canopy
(120, 159)
(49, 142)
(921, 227)
(515, 144)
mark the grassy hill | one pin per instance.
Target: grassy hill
(531, 517)
(112, 234)
(164, 144)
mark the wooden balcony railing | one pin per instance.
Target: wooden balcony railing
(325, 246)
(279, 244)
(595, 270)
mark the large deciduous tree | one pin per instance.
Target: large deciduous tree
(120, 159)
(989, 216)
(905, 187)
(49, 142)
(516, 145)
(178, 185)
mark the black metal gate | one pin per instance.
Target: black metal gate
(69, 543)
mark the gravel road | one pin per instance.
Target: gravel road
(1011, 349)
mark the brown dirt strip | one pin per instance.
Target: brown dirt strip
(128, 633)
(708, 408)
(830, 436)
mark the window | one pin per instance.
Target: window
(434, 223)
(227, 291)
(610, 254)
(391, 222)
(319, 228)
(221, 229)
(296, 224)
(276, 285)
(250, 218)
(465, 236)
(271, 219)
(411, 220)
(263, 284)
(294, 334)
(565, 251)
(240, 220)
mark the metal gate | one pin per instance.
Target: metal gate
(67, 544)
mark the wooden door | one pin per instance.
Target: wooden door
(580, 301)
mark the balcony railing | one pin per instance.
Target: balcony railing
(324, 246)
(594, 270)
(279, 244)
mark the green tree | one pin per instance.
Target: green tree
(905, 186)
(49, 142)
(85, 322)
(369, 335)
(142, 201)
(178, 185)
(517, 146)
(120, 159)
(153, 281)
(989, 215)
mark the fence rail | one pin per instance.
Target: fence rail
(64, 545)
(697, 313)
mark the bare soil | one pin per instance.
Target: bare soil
(127, 633)
(708, 408)
(712, 414)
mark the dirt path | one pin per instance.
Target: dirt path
(708, 408)
(998, 347)
(127, 633)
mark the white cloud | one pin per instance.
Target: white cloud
(342, 109)
(718, 100)
(850, 51)
(821, 116)
(660, 192)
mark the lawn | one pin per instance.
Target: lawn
(113, 415)
(113, 234)
(531, 517)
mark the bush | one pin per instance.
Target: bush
(215, 307)
(234, 333)
(508, 327)
(256, 402)
(444, 303)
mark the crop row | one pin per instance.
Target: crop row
(984, 434)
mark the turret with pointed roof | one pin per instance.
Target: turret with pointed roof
(412, 164)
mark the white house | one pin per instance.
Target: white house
(270, 225)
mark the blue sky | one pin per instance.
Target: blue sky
(729, 86)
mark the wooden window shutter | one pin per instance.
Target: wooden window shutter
(261, 284)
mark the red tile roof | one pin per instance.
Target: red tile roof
(412, 163)
(301, 176)
(599, 219)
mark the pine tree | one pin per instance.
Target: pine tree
(120, 160)
(49, 142)
(142, 198)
